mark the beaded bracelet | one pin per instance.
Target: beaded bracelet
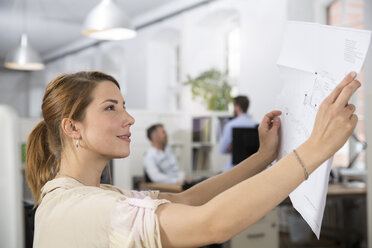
(302, 164)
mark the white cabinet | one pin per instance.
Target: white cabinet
(265, 234)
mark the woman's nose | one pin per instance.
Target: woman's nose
(129, 120)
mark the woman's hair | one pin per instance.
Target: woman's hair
(66, 96)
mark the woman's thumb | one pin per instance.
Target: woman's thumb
(275, 124)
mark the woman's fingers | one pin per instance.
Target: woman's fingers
(349, 110)
(269, 118)
(346, 93)
(336, 92)
(354, 119)
(268, 134)
(273, 113)
(335, 119)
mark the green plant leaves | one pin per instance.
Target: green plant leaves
(212, 87)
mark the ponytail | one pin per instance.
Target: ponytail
(41, 163)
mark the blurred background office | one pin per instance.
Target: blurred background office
(179, 62)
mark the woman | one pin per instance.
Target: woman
(85, 125)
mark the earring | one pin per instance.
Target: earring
(77, 143)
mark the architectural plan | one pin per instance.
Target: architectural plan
(314, 58)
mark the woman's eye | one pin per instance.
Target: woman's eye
(110, 108)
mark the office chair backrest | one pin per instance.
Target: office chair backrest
(245, 142)
(147, 178)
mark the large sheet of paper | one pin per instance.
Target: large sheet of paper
(314, 58)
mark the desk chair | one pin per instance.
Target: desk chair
(245, 142)
(29, 220)
(147, 178)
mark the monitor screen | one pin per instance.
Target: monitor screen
(245, 142)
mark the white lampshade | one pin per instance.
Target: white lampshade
(108, 22)
(23, 57)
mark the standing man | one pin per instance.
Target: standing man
(241, 119)
(159, 163)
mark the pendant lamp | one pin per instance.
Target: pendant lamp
(23, 57)
(108, 22)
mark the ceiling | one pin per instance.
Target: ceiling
(53, 24)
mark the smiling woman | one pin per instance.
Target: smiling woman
(86, 124)
(50, 143)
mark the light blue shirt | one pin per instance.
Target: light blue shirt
(161, 166)
(243, 120)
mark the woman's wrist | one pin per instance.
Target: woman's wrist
(265, 158)
(312, 154)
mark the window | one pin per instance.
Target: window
(349, 13)
(233, 43)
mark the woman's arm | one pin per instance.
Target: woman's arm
(206, 190)
(245, 203)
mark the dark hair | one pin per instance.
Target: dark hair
(242, 102)
(66, 96)
(152, 129)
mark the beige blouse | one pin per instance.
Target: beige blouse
(74, 215)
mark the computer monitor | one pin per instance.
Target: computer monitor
(245, 142)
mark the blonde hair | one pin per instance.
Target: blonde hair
(66, 96)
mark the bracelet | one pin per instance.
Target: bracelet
(302, 164)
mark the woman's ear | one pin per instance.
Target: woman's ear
(70, 128)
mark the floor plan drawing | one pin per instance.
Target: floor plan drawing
(314, 58)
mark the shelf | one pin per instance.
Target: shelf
(201, 144)
(206, 130)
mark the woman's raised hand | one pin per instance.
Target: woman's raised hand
(269, 136)
(335, 120)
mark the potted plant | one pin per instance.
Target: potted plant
(213, 87)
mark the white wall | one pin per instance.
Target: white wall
(14, 90)
(262, 34)
(37, 85)
(301, 10)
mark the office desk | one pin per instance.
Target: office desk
(338, 190)
(344, 191)
(343, 223)
(345, 215)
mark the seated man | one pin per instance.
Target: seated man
(159, 163)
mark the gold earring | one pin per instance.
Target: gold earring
(77, 143)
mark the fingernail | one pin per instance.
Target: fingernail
(353, 74)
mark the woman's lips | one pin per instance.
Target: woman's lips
(124, 137)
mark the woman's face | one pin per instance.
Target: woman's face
(105, 128)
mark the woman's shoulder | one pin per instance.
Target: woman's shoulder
(153, 194)
(106, 212)
(64, 192)
(71, 190)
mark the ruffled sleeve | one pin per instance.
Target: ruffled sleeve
(153, 194)
(134, 222)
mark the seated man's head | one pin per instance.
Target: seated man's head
(241, 105)
(157, 135)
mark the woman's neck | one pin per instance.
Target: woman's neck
(85, 169)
